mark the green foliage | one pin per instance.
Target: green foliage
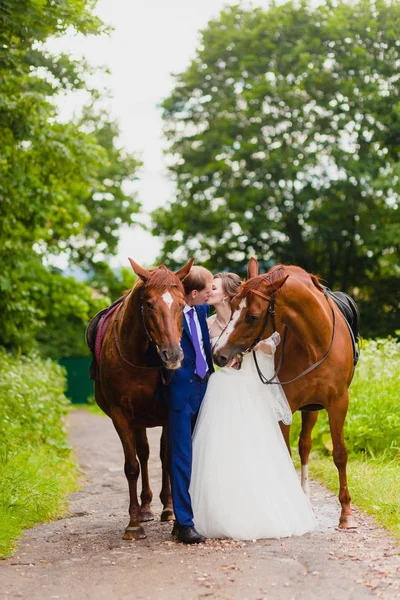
(68, 306)
(35, 466)
(32, 403)
(33, 485)
(283, 140)
(373, 421)
(63, 186)
(109, 203)
(113, 282)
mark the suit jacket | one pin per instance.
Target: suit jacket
(178, 391)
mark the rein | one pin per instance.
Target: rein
(271, 313)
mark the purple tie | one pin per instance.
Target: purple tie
(201, 365)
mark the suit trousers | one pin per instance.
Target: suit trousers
(180, 428)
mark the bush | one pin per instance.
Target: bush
(35, 466)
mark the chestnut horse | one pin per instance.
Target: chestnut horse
(315, 356)
(143, 335)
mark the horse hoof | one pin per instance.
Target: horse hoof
(134, 533)
(167, 514)
(347, 522)
(146, 515)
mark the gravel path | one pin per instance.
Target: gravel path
(84, 557)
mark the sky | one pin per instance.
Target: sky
(150, 41)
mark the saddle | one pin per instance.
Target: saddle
(349, 309)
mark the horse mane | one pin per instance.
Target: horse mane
(161, 279)
(252, 284)
(276, 273)
(294, 270)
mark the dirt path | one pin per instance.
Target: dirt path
(84, 556)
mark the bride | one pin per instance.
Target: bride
(243, 484)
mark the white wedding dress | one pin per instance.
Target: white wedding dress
(243, 484)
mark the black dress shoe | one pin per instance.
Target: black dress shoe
(187, 534)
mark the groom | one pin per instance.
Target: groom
(185, 394)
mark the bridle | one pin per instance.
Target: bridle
(270, 314)
(150, 339)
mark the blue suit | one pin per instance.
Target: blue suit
(185, 394)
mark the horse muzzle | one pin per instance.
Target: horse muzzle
(224, 356)
(171, 357)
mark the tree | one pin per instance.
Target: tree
(67, 305)
(283, 142)
(62, 185)
(112, 282)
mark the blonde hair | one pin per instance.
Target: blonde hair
(230, 283)
(197, 279)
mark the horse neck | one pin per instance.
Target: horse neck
(306, 313)
(132, 332)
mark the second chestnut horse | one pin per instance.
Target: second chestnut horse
(317, 365)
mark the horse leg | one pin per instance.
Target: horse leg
(285, 429)
(143, 452)
(100, 399)
(123, 426)
(336, 423)
(165, 495)
(308, 420)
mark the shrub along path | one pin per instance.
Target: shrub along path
(84, 557)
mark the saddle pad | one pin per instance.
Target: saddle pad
(101, 330)
(351, 315)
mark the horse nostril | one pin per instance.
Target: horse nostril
(164, 355)
(221, 360)
(171, 355)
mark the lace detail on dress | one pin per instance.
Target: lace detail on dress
(281, 405)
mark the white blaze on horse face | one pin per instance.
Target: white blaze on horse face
(222, 340)
(168, 299)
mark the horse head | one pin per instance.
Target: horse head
(251, 308)
(162, 302)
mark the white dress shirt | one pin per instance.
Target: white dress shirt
(198, 327)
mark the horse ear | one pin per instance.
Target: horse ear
(144, 274)
(279, 283)
(252, 269)
(183, 271)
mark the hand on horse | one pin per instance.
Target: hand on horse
(276, 338)
(269, 345)
(235, 363)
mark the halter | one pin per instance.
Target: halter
(271, 313)
(146, 329)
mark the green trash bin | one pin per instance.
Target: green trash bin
(80, 386)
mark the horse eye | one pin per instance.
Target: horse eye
(252, 318)
(149, 305)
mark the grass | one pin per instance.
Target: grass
(374, 485)
(36, 468)
(33, 489)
